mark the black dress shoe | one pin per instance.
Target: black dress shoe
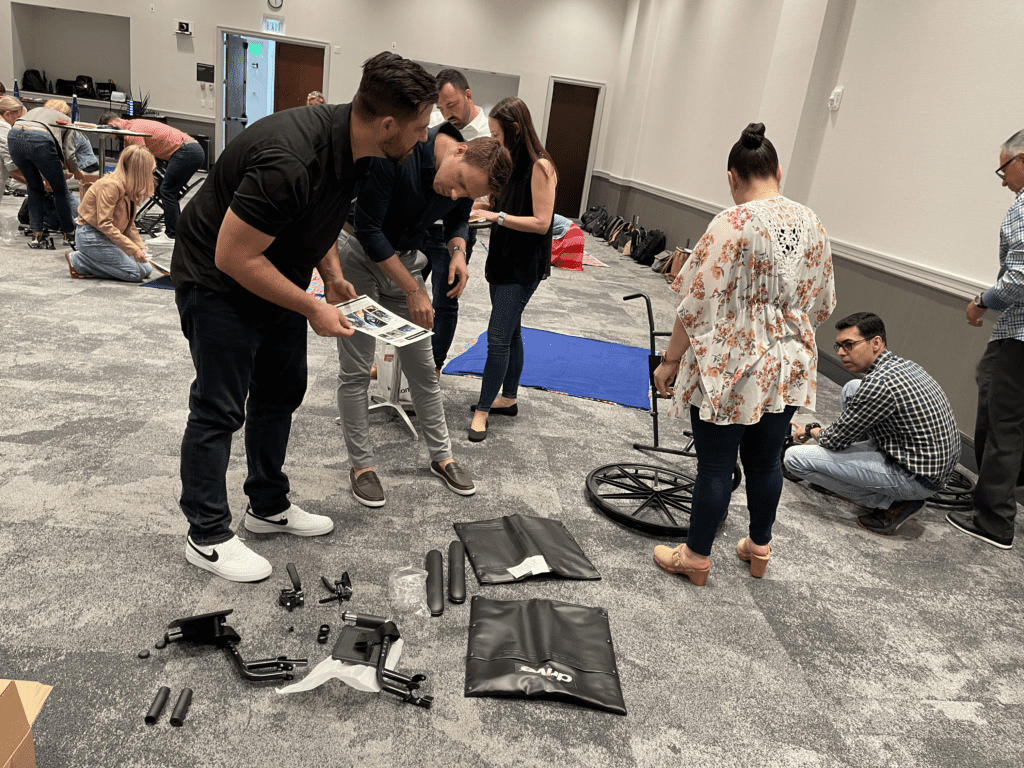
(477, 437)
(964, 521)
(500, 410)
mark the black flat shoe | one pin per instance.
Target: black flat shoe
(477, 437)
(507, 410)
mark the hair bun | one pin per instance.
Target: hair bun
(753, 136)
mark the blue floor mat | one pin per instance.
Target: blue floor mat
(160, 282)
(598, 370)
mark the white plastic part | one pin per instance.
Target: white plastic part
(835, 98)
(358, 676)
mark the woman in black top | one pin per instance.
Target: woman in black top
(518, 259)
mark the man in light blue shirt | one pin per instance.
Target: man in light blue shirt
(999, 431)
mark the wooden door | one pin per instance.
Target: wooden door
(299, 70)
(570, 132)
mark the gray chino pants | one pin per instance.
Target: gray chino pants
(355, 355)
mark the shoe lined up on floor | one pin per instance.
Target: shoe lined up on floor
(161, 239)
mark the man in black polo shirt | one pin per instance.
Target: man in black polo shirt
(384, 260)
(244, 255)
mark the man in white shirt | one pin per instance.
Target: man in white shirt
(454, 104)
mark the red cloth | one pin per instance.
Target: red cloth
(567, 253)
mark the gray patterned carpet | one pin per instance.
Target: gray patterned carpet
(854, 650)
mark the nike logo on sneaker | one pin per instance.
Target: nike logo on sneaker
(283, 521)
(209, 558)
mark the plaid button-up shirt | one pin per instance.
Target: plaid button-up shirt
(1007, 294)
(906, 415)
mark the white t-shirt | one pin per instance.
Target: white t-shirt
(477, 127)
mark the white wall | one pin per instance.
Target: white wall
(67, 44)
(530, 38)
(932, 88)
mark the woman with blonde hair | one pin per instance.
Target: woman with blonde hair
(108, 242)
(10, 110)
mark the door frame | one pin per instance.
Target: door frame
(595, 134)
(218, 74)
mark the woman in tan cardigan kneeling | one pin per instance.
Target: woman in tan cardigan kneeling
(108, 243)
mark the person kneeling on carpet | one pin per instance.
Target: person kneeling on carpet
(894, 444)
(384, 260)
(108, 244)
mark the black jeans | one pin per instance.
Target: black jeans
(760, 450)
(250, 362)
(446, 310)
(180, 169)
(999, 435)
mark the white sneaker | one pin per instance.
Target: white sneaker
(161, 239)
(294, 520)
(230, 560)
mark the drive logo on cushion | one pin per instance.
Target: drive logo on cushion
(546, 671)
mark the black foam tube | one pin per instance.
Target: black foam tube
(365, 620)
(181, 708)
(456, 572)
(435, 583)
(158, 705)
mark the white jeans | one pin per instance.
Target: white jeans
(860, 473)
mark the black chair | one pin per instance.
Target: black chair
(150, 218)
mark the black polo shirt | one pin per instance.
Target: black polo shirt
(290, 175)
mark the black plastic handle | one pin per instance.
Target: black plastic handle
(435, 584)
(456, 572)
(364, 620)
(158, 705)
(181, 708)
(294, 574)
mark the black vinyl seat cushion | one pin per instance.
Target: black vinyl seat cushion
(542, 649)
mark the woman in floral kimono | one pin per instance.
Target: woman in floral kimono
(742, 357)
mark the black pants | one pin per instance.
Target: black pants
(999, 435)
(250, 365)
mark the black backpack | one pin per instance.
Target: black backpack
(596, 223)
(649, 247)
(33, 81)
(593, 211)
(84, 87)
(612, 226)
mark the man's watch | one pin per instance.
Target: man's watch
(979, 301)
(809, 427)
(457, 248)
(501, 219)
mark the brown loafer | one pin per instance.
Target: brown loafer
(454, 477)
(367, 488)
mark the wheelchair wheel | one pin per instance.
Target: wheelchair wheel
(959, 492)
(649, 499)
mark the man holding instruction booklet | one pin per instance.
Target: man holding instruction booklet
(383, 260)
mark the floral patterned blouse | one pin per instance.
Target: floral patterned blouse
(754, 290)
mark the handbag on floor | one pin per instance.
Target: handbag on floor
(542, 649)
(385, 358)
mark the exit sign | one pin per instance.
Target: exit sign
(273, 24)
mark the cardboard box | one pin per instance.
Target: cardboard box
(20, 703)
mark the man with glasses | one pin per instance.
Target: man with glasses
(999, 428)
(895, 442)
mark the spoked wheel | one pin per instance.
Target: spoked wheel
(959, 492)
(649, 499)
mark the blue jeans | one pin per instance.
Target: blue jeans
(250, 361)
(504, 363)
(860, 473)
(39, 157)
(95, 254)
(760, 450)
(446, 310)
(180, 169)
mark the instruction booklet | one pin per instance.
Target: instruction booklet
(368, 316)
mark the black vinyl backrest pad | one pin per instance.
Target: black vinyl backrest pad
(494, 546)
(542, 649)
